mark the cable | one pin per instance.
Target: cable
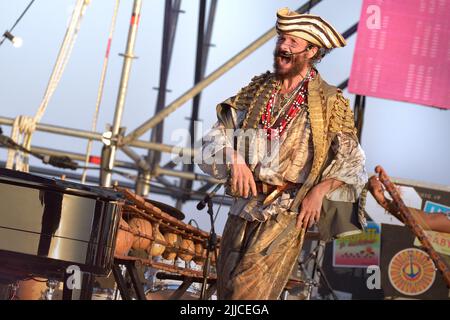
(63, 162)
(193, 221)
(220, 206)
(17, 21)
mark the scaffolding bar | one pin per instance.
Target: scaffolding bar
(123, 87)
(98, 137)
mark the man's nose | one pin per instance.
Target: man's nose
(283, 45)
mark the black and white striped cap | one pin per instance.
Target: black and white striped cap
(310, 28)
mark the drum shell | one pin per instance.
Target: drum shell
(187, 244)
(156, 249)
(174, 242)
(144, 227)
(124, 239)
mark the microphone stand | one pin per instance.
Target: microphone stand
(210, 249)
(316, 269)
(212, 240)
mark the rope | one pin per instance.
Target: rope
(24, 126)
(22, 129)
(100, 89)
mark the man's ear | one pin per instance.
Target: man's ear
(311, 51)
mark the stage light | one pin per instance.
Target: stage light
(16, 41)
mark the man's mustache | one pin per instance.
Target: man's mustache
(284, 54)
(287, 54)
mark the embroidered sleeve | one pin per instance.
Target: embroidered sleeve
(213, 152)
(347, 166)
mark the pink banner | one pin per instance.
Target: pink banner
(403, 52)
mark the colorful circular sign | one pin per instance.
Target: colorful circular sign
(411, 272)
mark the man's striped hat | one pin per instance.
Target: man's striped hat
(310, 28)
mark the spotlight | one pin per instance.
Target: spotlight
(16, 41)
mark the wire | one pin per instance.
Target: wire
(193, 221)
(220, 206)
(17, 21)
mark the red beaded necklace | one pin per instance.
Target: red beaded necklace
(296, 105)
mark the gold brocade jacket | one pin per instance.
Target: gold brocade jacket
(319, 143)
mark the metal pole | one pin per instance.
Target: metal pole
(187, 184)
(98, 137)
(207, 42)
(128, 58)
(187, 175)
(140, 162)
(76, 156)
(358, 111)
(188, 95)
(171, 12)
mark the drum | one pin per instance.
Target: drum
(173, 244)
(124, 239)
(187, 251)
(156, 248)
(144, 227)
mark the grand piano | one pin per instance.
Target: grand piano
(47, 225)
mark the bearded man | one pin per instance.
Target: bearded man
(287, 145)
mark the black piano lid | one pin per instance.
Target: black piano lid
(35, 181)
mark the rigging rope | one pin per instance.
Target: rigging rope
(100, 89)
(24, 126)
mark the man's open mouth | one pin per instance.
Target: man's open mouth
(284, 57)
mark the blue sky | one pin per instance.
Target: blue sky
(410, 141)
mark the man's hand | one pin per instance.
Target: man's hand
(242, 180)
(312, 204)
(310, 208)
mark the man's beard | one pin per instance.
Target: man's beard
(296, 61)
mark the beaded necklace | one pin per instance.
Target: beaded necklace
(275, 132)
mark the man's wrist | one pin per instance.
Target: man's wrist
(327, 186)
(321, 189)
(233, 157)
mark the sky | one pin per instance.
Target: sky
(409, 141)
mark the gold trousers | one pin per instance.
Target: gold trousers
(256, 258)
